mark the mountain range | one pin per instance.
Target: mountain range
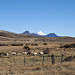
(27, 36)
(41, 34)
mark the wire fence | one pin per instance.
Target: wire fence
(17, 65)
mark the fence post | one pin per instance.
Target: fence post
(43, 61)
(24, 60)
(53, 59)
(62, 59)
(14, 65)
(2, 65)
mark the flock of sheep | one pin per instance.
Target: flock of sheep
(23, 53)
(33, 53)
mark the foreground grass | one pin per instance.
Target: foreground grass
(33, 66)
(14, 65)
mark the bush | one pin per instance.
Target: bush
(16, 44)
(27, 48)
(45, 44)
(37, 68)
(34, 44)
(69, 58)
(74, 56)
(68, 46)
(46, 51)
(27, 44)
(2, 44)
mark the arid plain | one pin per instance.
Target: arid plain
(27, 64)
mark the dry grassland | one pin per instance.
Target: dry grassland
(14, 64)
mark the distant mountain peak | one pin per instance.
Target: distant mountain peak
(26, 32)
(41, 33)
(52, 35)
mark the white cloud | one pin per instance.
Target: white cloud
(41, 33)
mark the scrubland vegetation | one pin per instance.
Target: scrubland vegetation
(29, 55)
(14, 64)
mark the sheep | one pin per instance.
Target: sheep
(41, 53)
(7, 54)
(25, 53)
(3, 54)
(35, 53)
(13, 53)
(32, 53)
(29, 53)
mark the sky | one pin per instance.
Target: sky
(47, 16)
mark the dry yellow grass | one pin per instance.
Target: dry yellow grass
(14, 65)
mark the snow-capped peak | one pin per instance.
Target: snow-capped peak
(41, 33)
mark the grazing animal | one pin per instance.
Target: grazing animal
(7, 54)
(35, 53)
(28, 53)
(40, 53)
(25, 53)
(3, 54)
(32, 53)
(13, 53)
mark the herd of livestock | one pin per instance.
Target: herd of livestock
(22, 53)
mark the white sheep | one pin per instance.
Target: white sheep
(13, 53)
(35, 53)
(25, 53)
(7, 54)
(41, 53)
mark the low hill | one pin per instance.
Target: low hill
(9, 36)
(5, 35)
(56, 39)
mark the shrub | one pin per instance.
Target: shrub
(46, 51)
(27, 48)
(45, 44)
(27, 44)
(74, 56)
(2, 44)
(43, 40)
(16, 44)
(34, 44)
(73, 45)
(37, 68)
(68, 46)
(69, 58)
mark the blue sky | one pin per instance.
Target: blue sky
(48, 16)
